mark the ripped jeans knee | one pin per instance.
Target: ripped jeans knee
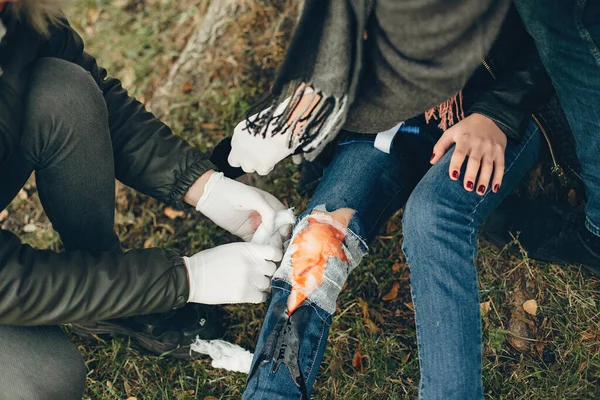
(321, 254)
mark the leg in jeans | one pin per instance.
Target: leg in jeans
(441, 224)
(66, 141)
(567, 34)
(371, 185)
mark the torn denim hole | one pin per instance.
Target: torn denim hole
(282, 346)
(321, 255)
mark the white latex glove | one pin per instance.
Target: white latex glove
(239, 209)
(253, 153)
(232, 273)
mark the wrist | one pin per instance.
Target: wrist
(195, 192)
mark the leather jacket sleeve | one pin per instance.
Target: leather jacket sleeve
(40, 287)
(521, 86)
(148, 157)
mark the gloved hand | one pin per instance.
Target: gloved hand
(253, 153)
(232, 273)
(239, 209)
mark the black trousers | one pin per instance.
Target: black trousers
(66, 141)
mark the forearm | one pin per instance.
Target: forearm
(39, 287)
(196, 191)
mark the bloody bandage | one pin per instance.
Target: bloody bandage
(321, 255)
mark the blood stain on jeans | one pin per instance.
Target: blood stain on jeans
(313, 247)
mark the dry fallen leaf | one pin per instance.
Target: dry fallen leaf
(530, 307)
(148, 243)
(187, 87)
(373, 328)
(393, 293)
(209, 125)
(357, 360)
(406, 358)
(23, 194)
(365, 308)
(173, 214)
(132, 398)
(484, 307)
(396, 267)
(3, 215)
(539, 347)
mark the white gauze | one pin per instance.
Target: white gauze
(336, 271)
(224, 355)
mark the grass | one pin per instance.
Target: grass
(137, 42)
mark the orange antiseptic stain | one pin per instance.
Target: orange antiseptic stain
(313, 247)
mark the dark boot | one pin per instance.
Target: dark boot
(547, 232)
(168, 333)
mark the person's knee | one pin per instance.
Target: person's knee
(322, 252)
(68, 379)
(62, 104)
(40, 363)
(431, 214)
(419, 218)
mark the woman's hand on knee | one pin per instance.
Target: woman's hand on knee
(478, 138)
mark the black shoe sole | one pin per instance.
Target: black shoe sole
(146, 341)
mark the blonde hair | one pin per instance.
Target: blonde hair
(40, 14)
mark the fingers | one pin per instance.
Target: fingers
(262, 283)
(456, 162)
(498, 173)
(265, 252)
(442, 146)
(256, 202)
(272, 200)
(472, 169)
(487, 167)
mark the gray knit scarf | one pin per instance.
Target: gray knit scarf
(325, 54)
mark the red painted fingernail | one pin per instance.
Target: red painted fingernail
(455, 174)
(470, 185)
(432, 157)
(496, 187)
(481, 189)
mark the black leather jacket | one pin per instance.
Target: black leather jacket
(520, 91)
(40, 287)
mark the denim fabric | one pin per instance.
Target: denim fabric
(373, 183)
(376, 185)
(440, 225)
(567, 35)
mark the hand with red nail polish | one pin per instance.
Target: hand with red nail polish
(479, 139)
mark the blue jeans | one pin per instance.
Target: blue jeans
(567, 35)
(441, 224)
(375, 184)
